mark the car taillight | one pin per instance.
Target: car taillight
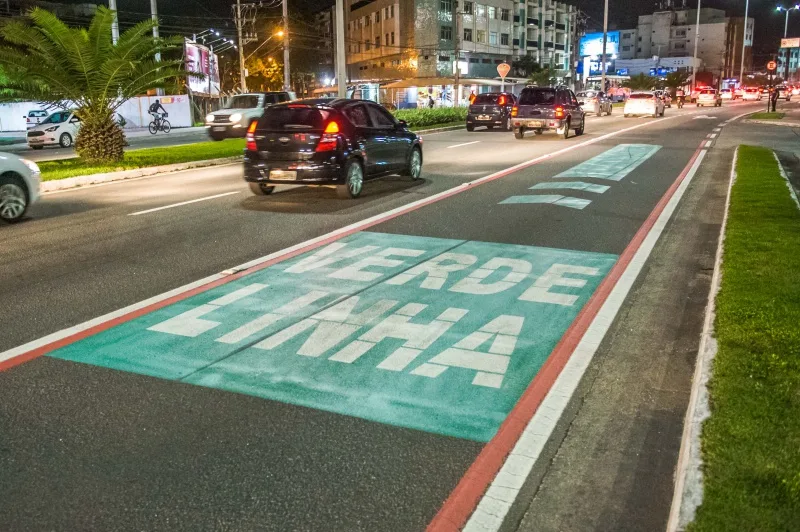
(251, 137)
(330, 139)
(501, 100)
(559, 112)
(514, 111)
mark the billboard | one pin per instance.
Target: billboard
(200, 59)
(592, 44)
(790, 43)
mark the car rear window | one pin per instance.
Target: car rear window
(641, 96)
(537, 97)
(586, 94)
(279, 118)
(708, 91)
(243, 101)
(486, 98)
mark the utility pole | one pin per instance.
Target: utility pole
(112, 5)
(457, 42)
(744, 42)
(341, 56)
(154, 16)
(241, 45)
(694, 56)
(605, 40)
(287, 82)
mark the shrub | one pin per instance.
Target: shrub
(431, 117)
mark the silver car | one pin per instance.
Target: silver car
(19, 186)
(595, 102)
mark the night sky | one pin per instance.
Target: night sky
(622, 14)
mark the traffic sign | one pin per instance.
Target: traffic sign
(772, 65)
(790, 43)
(503, 69)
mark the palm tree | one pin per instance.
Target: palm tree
(676, 80)
(47, 61)
(640, 82)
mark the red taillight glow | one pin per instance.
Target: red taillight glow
(501, 100)
(330, 138)
(251, 137)
(514, 111)
(559, 112)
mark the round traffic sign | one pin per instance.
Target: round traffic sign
(503, 69)
(772, 65)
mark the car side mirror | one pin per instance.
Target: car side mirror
(402, 124)
(74, 120)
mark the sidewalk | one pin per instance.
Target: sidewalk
(17, 138)
(791, 118)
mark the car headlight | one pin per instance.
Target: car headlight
(32, 166)
(235, 117)
(209, 118)
(51, 129)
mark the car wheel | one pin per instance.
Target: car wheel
(37, 147)
(490, 127)
(579, 131)
(217, 138)
(519, 133)
(65, 140)
(353, 181)
(626, 115)
(564, 131)
(508, 126)
(610, 108)
(13, 198)
(470, 127)
(414, 170)
(260, 189)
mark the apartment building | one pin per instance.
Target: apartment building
(391, 39)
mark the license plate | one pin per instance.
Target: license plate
(535, 123)
(484, 117)
(283, 175)
(218, 128)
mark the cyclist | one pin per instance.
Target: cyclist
(157, 111)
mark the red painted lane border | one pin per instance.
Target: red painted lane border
(463, 500)
(339, 234)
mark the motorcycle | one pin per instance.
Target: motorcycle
(680, 102)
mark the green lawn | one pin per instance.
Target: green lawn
(767, 116)
(7, 141)
(751, 442)
(145, 157)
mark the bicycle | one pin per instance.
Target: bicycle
(159, 123)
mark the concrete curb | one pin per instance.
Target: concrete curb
(772, 122)
(688, 492)
(96, 179)
(110, 177)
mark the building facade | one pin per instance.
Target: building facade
(397, 39)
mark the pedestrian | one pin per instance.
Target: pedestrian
(472, 97)
(773, 97)
(430, 102)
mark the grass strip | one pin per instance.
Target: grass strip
(143, 158)
(751, 442)
(767, 116)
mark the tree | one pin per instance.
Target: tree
(81, 68)
(525, 66)
(676, 80)
(264, 74)
(640, 82)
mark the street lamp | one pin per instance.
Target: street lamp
(786, 23)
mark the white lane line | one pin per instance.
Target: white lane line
(708, 143)
(494, 505)
(215, 196)
(717, 129)
(464, 144)
(302, 246)
(712, 135)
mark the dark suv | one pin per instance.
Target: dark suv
(326, 142)
(544, 108)
(492, 109)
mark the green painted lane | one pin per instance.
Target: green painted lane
(435, 334)
(613, 164)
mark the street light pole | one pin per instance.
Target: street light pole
(744, 42)
(694, 56)
(605, 40)
(112, 5)
(287, 82)
(341, 57)
(241, 45)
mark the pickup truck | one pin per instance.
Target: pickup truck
(240, 111)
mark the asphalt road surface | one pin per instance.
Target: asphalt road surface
(367, 352)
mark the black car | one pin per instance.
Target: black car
(544, 108)
(327, 142)
(492, 109)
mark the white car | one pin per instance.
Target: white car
(709, 97)
(643, 103)
(751, 94)
(34, 118)
(19, 186)
(60, 128)
(727, 94)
